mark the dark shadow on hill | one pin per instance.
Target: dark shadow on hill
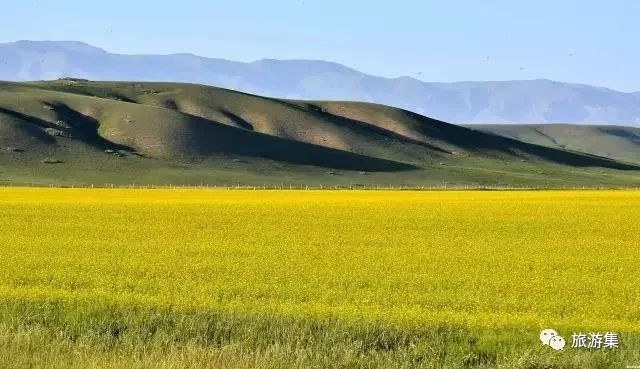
(485, 143)
(170, 104)
(363, 126)
(624, 133)
(70, 124)
(209, 137)
(237, 120)
(30, 129)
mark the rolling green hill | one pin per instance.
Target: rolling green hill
(616, 142)
(81, 132)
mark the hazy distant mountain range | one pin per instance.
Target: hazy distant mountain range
(535, 101)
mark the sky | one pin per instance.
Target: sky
(588, 41)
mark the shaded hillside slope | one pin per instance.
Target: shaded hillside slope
(616, 142)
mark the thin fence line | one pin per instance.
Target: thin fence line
(307, 187)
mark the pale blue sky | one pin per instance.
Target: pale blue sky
(588, 41)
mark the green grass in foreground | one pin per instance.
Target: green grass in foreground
(91, 335)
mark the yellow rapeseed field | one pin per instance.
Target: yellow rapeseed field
(528, 259)
(123, 278)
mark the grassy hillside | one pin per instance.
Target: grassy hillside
(616, 142)
(75, 131)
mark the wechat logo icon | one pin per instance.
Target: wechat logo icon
(551, 338)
